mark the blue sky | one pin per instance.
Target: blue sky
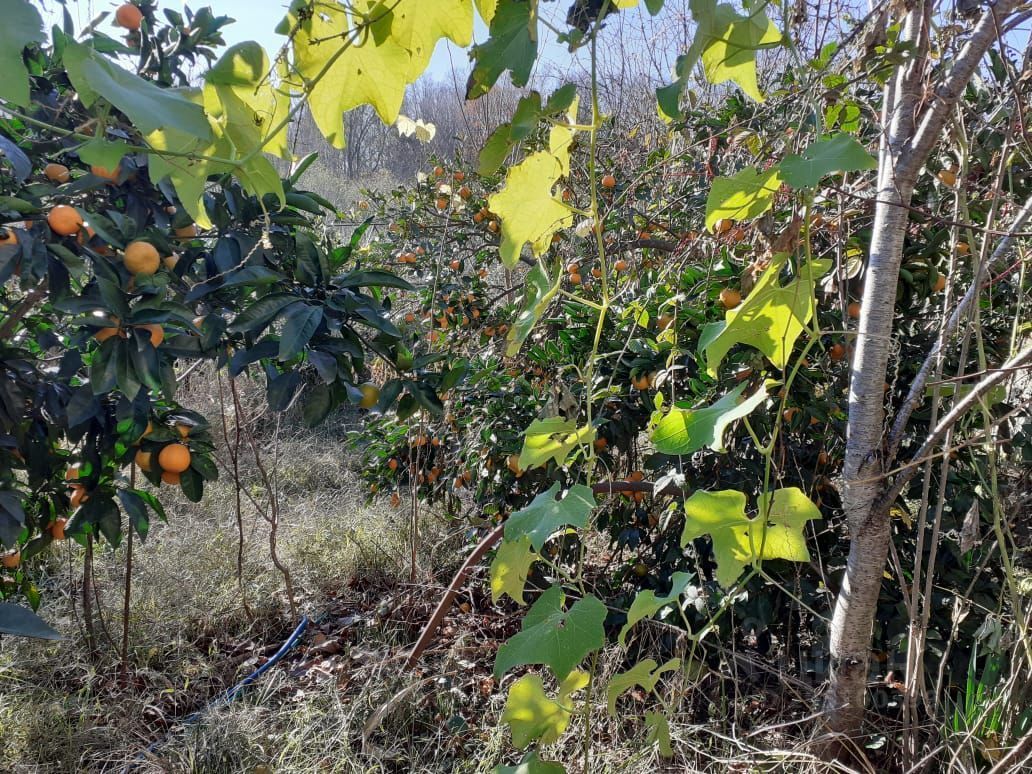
(257, 19)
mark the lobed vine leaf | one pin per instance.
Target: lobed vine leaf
(645, 673)
(744, 196)
(531, 715)
(771, 317)
(545, 514)
(527, 208)
(552, 439)
(646, 603)
(685, 430)
(659, 732)
(512, 45)
(839, 153)
(727, 42)
(738, 541)
(553, 636)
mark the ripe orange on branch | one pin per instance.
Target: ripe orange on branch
(174, 458)
(142, 258)
(64, 220)
(129, 17)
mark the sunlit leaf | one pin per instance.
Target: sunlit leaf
(509, 569)
(647, 603)
(685, 431)
(727, 43)
(738, 541)
(241, 94)
(771, 317)
(527, 208)
(744, 196)
(552, 439)
(554, 636)
(532, 716)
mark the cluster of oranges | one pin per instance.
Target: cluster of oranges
(172, 459)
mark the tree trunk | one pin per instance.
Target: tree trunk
(909, 136)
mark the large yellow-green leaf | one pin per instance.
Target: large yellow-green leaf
(744, 196)
(418, 25)
(531, 715)
(21, 26)
(552, 439)
(647, 603)
(771, 317)
(188, 175)
(509, 569)
(531, 763)
(738, 541)
(554, 636)
(727, 43)
(685, 431)
(645, 673)
(241, 91)
(372, 70)
(528, 210)
(486, 9)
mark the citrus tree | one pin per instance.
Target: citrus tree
(561, 346)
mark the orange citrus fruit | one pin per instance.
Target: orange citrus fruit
(129, 17)
(64, 220)
(174, 458)
(142, 258)
(56, 173)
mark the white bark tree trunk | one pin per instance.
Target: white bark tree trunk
(910, 135)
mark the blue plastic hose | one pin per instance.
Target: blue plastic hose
(230, 694)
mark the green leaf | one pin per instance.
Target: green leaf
(545, 514)
(744, 196)
(509, 569)
(22, 622)
(21, 26)
(840, 153)
(318, 403)
(528, 210)
(103, 153)
(771, 317)
(555, 637)
(531, 715)
(727, 43)
(239, 93)
(668, 98)
(512, 45)
(685, 431)
(540, 290)
(370, 278)
(644, 673)
(552, 439)
(12, 517)
(258, 315)
(531, 763)
(659, 732)
(739, 541)
(147, 105)
(647, 604)
(136, 509)
(299, 326)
